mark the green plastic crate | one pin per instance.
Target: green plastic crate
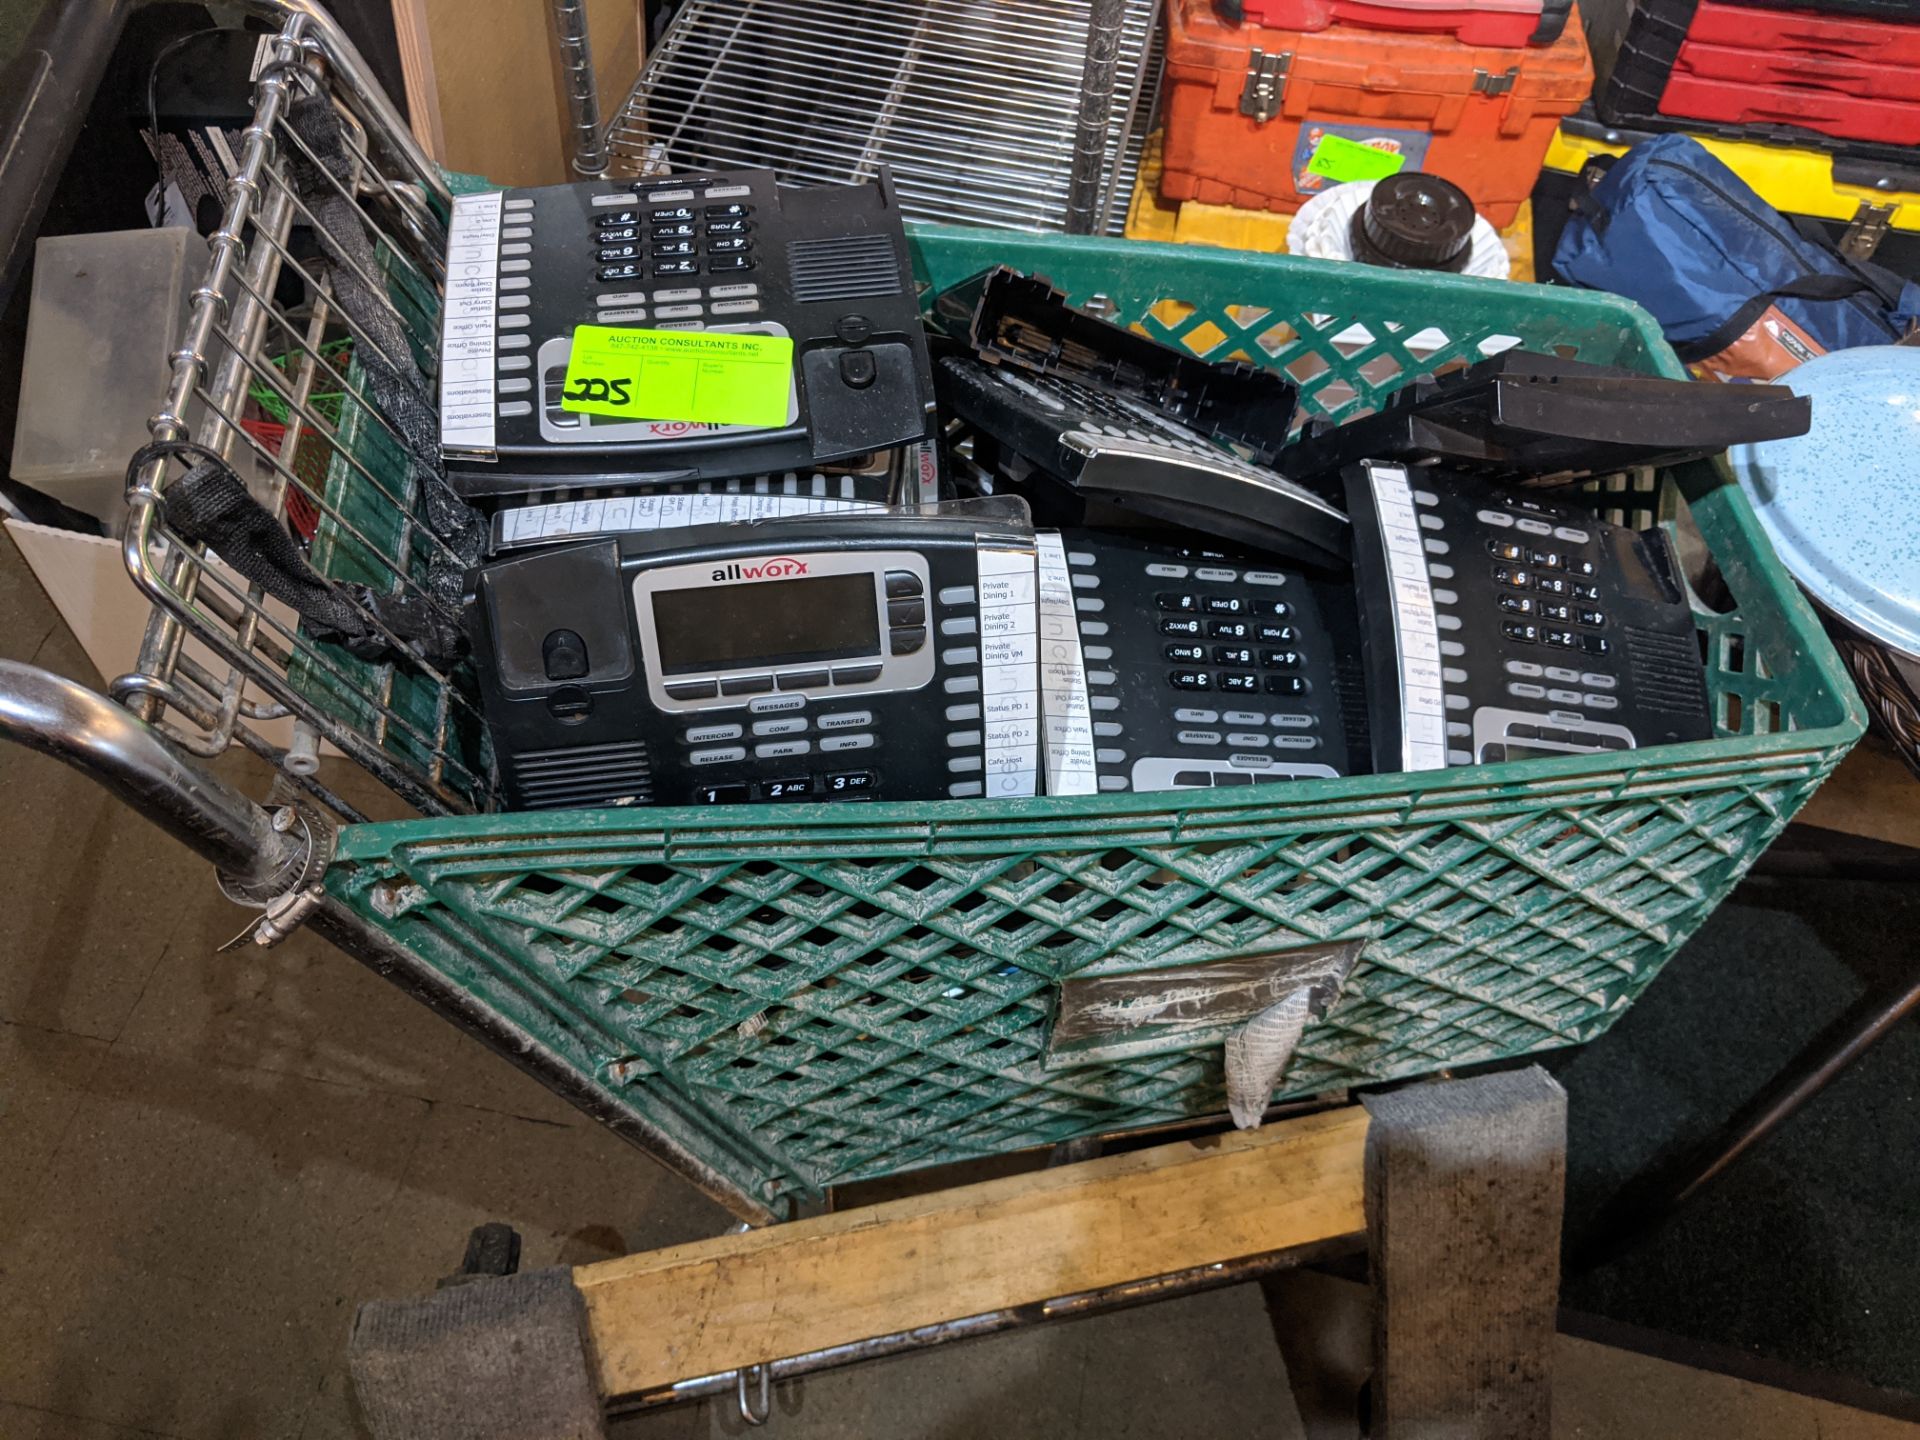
(807, 995)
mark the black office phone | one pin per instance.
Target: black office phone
(824, 265)
(1098, 447)
(857, 656)
(1499, 625)
(1201, 669)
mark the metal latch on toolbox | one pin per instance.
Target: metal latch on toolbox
(1487, 83)
(1866, 230)
(1266, 84)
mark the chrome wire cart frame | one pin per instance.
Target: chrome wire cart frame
(1022, 114)
(309, 356)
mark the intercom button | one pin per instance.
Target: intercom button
(775, 704)
(1224, 604)
(902, 584)
(1497, 518)
(735, 307)
(729, 262)
(1600, 702)
(845, 720)
(1196, 717)
(1526, 690)
(791, 725)
(1561, 639)
(1161, 571)
(711, 734)
(1593, 680)
(676, 267)
(855, 674)
(1280, 659)
(1180, 604)
(746, 684)
(841, 781)
(1216, 575)
(719, 794)
(1592, 618)
(1524, 668)
(1240, 683)
(1245, 717)
(1519, 577)
(1229, 629)
(692, 689)
(1519, 630)
(1266, 577)
(628, 271)
(1595, 644)
(794, 787)
(1506, 550)
(1197, 737)
(1286, 684)
(1533, 527)
(1179, 627)
(1517, 604)
(678, 212)
(1232, 655)
(1247, 740)
(803, 680)
(846, 742)
(1190, 680)
(732, 292)
(781, 749)
(1562, 674)
(1187, 654)
(725, 755)
(907, 639)
(1296, 742)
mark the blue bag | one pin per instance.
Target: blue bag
(1737, 288)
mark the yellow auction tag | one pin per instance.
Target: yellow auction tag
(693, 375)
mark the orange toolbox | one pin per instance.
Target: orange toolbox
(1247, 106)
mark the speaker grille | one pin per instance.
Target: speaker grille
(843, 267)
(584, 775)
(1666, 672)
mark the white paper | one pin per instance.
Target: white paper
(1009, 672)
(647, 512)
(467, 324)
(1423, 716)
(1063, 677)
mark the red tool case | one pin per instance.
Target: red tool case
(1507, 23)
(1738, 65)
(1246, 105)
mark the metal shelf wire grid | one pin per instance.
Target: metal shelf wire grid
(973, 106)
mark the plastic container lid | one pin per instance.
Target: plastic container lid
(1415, 221)
(1840, 503)
(1323, 230)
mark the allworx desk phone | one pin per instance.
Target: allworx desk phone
(825, 265)
(861, 656)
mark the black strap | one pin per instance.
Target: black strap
(1882, 281)
(1817, 286)
(210, 506)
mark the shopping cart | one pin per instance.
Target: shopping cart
(775, 1000)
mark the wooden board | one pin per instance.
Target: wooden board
(483, 82)
(737, 1300)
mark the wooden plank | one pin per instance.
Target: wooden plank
(736, 1300)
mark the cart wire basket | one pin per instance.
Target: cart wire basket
(776, 1000)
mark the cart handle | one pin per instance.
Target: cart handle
(64, 719)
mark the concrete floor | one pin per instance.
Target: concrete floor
(209, 1160)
